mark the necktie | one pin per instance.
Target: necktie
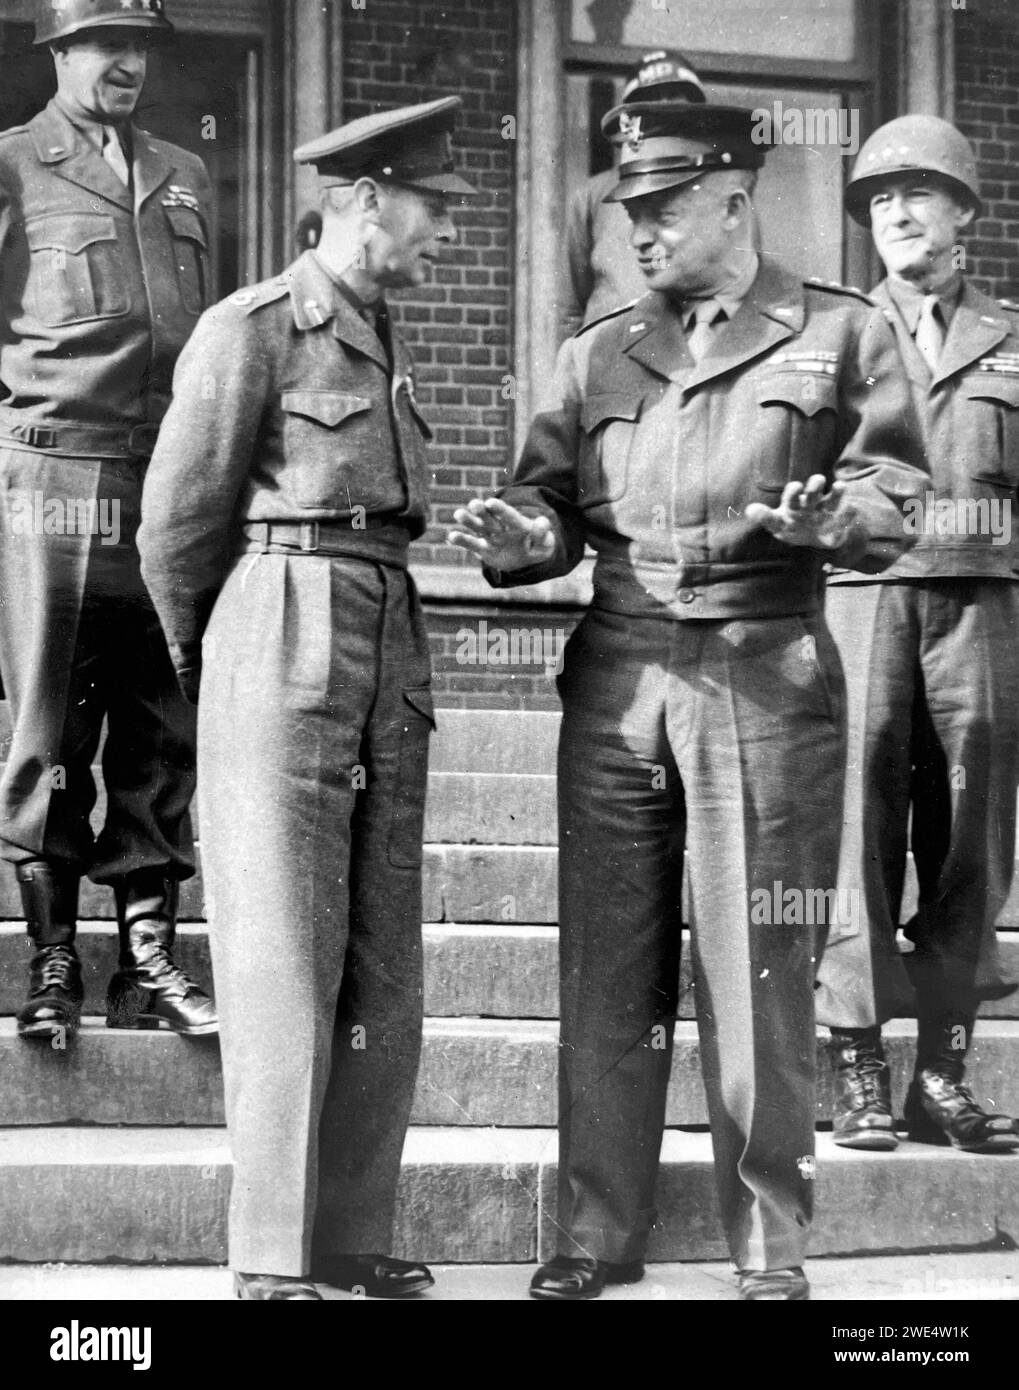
(113, 153)
(930, 333)
(706, 313)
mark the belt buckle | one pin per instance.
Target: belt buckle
(309, 536)
(39, 437)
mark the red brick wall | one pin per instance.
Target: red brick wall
(397, 52)
(987, 111)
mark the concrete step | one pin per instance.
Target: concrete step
(985, 1277)
(472, 969)
(491, 808)
(500, 741)
(474, 1072)
(481, 1196)
(490, 883)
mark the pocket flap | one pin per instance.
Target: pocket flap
(609, 405)
(421, 701)
(327, 407)
(989, 386)
(807, 392)
(186, 223)
(69, 232)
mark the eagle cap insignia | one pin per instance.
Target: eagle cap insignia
(629, 128)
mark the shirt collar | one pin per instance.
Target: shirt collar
(731, 296)
(909, 300)
(367, 311)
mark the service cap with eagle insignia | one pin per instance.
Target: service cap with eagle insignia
(59, 19)
(666, 144)
(411, 146)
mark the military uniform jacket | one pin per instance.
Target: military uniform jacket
(97, 301)
(653, 459)
(969, 419)
(286, 409)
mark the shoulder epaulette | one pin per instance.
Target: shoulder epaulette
(602, 318)
(253, 297)
(836, 287)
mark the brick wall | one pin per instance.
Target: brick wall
(987, 111)
(397, 52)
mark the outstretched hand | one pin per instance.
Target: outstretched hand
(502, 537)
(805, 515)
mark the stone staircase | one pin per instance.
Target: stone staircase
(113, 1148)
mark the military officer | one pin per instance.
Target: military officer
(933, 668)
(289, 477)
(603, 272)
(715, 442)
(104, 254)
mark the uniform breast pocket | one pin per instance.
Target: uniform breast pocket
(337, 445)
(798, 412)
(607, 421)
(74, 272)
(993, 406)
(191, 254)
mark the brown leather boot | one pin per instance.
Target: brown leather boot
(49, 895)
(150, 988)
(940, 1109)
(863, 1105)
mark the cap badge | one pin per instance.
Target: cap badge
(629, 128)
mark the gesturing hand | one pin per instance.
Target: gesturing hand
(502, 537)
(805, 515)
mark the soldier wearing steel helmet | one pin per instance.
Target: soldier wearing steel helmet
(716, 441)
(290, 476)
(104, 253)
(932, 663)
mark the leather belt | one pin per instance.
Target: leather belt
(78, 441)
(383, 538)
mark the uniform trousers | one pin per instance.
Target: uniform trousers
(314, 719)
(79, 642)
(725, 738)
(932, 675)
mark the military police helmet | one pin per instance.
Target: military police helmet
(59, 19)
(922, 145)
(663, 75)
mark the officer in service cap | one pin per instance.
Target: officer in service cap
(104, 246)
(602, 272)
(932, 667)
(290, 475)
(717, 442)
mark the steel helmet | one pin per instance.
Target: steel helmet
(913, 145)
(58, 19)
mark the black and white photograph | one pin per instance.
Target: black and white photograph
(509, 637)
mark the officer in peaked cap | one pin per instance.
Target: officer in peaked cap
(932, 668)
(602, 270)
(717, 442)
(290, 475)
(104, 246)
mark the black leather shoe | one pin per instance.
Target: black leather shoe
(150, 988)
(55, 994)
(862, 1118)
(773, 1286)
(376, 1276)
(570, 1277)
(942, 1111)
(275, 1288)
